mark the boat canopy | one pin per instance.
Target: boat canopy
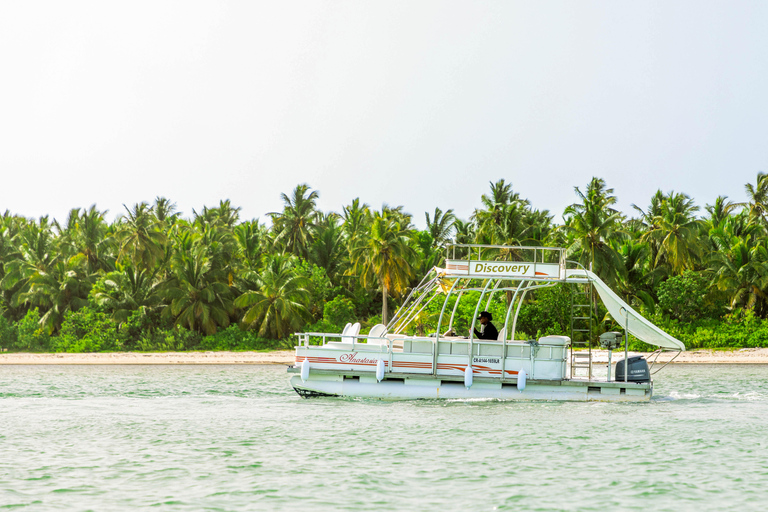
(539, 266)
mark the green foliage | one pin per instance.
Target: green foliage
(317, 284)
(383, 256)
(368, 323)
(339, 311)
(87, 330)
(31, 336)
(547, 312)
(590, 225)
(336, 314)
(739, 329)
(687, 297)
(164, 340)
(7, 333)
(235, 339)
(85, 284)
(139, 326)
(278, 305)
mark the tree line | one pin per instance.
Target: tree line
(155, 280)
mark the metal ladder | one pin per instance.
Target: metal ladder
(581, 329)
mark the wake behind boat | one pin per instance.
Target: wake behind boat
(389, 363)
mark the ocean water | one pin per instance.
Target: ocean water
(238, 438)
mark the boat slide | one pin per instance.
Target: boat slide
(623, 313)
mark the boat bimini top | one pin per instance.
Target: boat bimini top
(514, 270)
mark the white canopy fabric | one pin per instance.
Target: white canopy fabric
(637, 325)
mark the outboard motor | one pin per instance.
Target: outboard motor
(638, 370)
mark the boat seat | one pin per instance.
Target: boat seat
(376, 335)
(490, 350)
(347, 336)
(344, 331)
(461, 348)
(559, 341)
(417, 347)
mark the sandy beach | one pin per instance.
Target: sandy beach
(739, 356)
(277, 357)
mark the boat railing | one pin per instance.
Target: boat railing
(528, 253)
(399, 353)
(390, 342)
(305, 340)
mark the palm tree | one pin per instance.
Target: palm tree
(741, 269)
(465, 231)
(126, 290)
(757, 198)
(198, 300)
(383, 257)
(398, 214)
(636, 282)
(141, 239)
(278, 303)
(63, 288)
(440, 227)
(590, 225)
(87, 233)
(647, 222)
(294, 226)
(165, 210)
(328, 250)
(502, 220)
(10, 226)
(252, 241)
(355, 216)
(739, 226)
(675, 232)
(501, 196)
(537, 227)
(36, 252)
(225, 214)
(219, 241)
(718, 212)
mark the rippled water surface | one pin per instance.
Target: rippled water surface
(238, 438)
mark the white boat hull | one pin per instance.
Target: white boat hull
(429, 389)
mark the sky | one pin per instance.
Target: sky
(413, 103)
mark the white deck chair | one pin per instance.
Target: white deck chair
(354, 331)
(377, 331)
(346, 330)
(502, 334)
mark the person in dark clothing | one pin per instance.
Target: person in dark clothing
(489, 331)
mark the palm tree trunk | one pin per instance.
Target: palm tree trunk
(384, 311)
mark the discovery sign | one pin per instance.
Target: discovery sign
(512, 269)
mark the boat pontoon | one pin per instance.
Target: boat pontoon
(395, 362)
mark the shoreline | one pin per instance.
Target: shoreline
(286, 357)
(150, 358)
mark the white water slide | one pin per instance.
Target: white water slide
(624, 314)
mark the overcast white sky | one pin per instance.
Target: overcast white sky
(414, 103)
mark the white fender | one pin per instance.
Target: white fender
(521, 376)
(304, 370)
(380, 370)
(468, 377)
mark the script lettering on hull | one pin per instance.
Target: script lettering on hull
(355, 358)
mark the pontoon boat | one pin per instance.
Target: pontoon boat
(394, 362)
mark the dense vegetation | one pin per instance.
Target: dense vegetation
(154, 280)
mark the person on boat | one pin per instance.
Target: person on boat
(487, 330)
